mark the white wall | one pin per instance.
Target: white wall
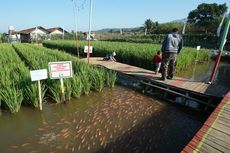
(56, 32)
(39, 32)
(15, 36)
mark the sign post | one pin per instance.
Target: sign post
(61, 70)
(40, 94)
(197, 49)
(62, 88)
(38, 75)
(86, 48)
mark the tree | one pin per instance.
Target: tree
(207, 16)
(4, 38)
(150, 26)
(167, 27)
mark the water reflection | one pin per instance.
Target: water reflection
(116, 120)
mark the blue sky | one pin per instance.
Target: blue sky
(24, 14)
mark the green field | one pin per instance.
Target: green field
(137, 54)
(17, 88)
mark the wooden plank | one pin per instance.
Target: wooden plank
(220, 127)
(225, 109)
(214, 145)
(222, 114)
(225, 121)
(198, 88)
(207, 149)
(216, 114)
(203, 88)
(216, 136)
(227, 106)
(225, 112)
(190, 86)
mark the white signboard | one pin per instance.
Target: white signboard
(86, 49)
(198, 48)
(59, 70)
(37, 75)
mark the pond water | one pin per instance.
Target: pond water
(202, 72)
(117, 120)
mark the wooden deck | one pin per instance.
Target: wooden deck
(214, 136)
(182, 83)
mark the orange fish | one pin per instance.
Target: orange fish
(25, 144)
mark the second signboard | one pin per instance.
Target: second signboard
(59, 70)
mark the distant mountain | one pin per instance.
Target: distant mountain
(178, 21)
(136, 29)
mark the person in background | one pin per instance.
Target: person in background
(110, 57)
(157, 62)
(171, 47)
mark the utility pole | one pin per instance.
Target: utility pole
(36, 32)
(63, 33)
(89, 34)
(75, 22)
(183, 30)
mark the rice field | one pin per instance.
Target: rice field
(14, 76)
(138, 54)
(17, 88)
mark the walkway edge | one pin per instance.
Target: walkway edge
(197, 142)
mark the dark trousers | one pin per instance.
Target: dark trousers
(168, 64)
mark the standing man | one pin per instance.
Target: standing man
(171, 46)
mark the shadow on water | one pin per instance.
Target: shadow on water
(164, 131)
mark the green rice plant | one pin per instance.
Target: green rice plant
(12, 97)
(56, 94)
(97, 79)
(86, 83)
(31, 94)
(68, 89)
(77, 86)
(111, 77)
(85, 78)
(13, 74)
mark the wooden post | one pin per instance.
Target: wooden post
(62, 89)
(197, 49)
(40, 95)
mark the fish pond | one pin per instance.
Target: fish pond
(117, 120)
